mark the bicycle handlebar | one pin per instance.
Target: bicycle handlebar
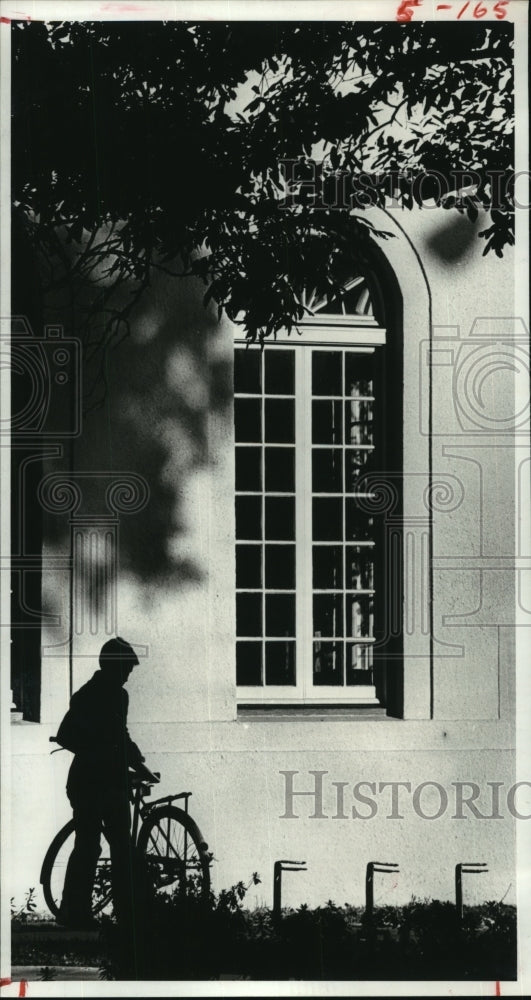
(137, 779)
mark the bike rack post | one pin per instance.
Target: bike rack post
(389, 867)
(468, 868)
(279, 867)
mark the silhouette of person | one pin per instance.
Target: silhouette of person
(98, 788)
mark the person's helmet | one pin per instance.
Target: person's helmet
(115, 652)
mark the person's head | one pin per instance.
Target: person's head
(117, 659)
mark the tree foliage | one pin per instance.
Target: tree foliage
(136, 146)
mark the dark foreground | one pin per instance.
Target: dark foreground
(184, 939)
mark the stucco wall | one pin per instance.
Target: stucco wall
(239, 797)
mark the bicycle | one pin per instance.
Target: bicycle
(167, 840)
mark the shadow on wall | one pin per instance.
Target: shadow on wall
(454, 239)
(164, 383)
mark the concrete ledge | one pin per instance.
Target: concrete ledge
(43, 973)
(38, 931)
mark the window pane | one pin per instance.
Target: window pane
(248, 517)
(328, 615)
(326, 373)
(280, 663)
(249, 614)
(357, 465)
(248, 419)
(249, 663)
(327, 421)
(327, 567)
(327, 470)
(359, 422)
(280, 420)
(359, 664)
(280, 470)
(344, 418)
(248, 469)
(357, 300)
(327, 663)
(279, 372)
(280, 614)
(360, 569)
(358, 374)
(280, 567)
(280, 518)
(334, 308)
(360, 617)
(359, 524)
(327, 519)
(248, 566)
(247, 370)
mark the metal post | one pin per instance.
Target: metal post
(279, 867)
(369, 893)
(459, 892)
(277, 891)
(388, 867)
(470, 868)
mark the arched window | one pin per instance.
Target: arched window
(315, 428)
(356, 300)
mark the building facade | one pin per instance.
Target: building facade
(312, 548)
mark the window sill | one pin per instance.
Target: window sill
(313, 713)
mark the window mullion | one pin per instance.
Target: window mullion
(303, 480)
(263, 506)
(344, 517)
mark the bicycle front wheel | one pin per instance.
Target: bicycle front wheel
(54, 869)
(175, 853)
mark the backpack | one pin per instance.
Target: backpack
(67, 734)
(76, 731)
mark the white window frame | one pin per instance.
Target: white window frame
(365, 335)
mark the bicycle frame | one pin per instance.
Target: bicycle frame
(140, 791)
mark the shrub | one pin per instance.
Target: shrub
(184, 937)
(181, 938)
